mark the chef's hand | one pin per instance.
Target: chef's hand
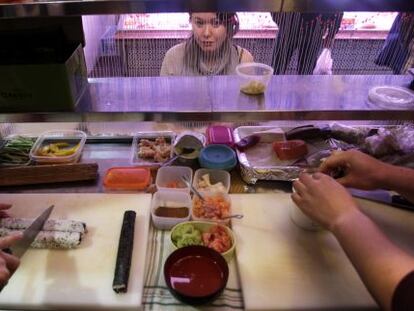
(3, 207)
(8, 262)
(361, 170)
(324, 200)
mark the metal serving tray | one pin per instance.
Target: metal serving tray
(260, 162)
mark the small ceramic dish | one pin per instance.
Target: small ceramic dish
(196, 274)
(215, 236)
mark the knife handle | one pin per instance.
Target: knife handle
(400, 200)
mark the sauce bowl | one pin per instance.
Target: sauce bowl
(196, 274)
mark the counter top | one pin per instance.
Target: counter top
(217, 98)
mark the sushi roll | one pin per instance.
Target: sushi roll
(51, 239)
(50, 225)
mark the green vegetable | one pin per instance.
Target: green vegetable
(16, 151)
(186, 235)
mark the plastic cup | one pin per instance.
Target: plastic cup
(254, 77)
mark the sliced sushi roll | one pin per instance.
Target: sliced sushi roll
(51, 239)
(50, 225)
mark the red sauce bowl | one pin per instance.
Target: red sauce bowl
(196, 274)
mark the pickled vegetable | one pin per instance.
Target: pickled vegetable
(253, 87)
(57, 150)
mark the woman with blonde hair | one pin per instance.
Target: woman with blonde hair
(209, 50)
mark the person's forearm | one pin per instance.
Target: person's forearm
(399, 179)
(380, 264)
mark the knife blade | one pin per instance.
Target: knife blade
(383, 196)
(21, 246)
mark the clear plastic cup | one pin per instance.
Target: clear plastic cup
(169, 178)
(254, 77)
(215, 177)
(169, 199)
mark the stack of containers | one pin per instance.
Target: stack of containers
(171, 204)
(219, 153)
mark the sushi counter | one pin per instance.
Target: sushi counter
(273, 261)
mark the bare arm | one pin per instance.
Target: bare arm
(380, 264)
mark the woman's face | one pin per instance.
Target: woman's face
(209, 33)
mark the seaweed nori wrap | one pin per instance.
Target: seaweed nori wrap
(124, 256)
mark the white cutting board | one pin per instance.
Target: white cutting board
(80, 278)
(283, 267)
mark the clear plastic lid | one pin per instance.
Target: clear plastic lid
(391, 97)
(219, 157)
(218, 134)
(58, 147)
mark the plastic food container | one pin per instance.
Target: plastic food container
(218, 134)
(54, 147)
(140, 157)
(391, 97)
(204, 226)
(169, 178)
(127, 178)
(216, 206)
(173, 200)
(215, 177)
(254, 77)
(219, 157)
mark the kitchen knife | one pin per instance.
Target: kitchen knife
(21, 246)
(383, 196)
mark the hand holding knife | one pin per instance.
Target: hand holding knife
(19, 245)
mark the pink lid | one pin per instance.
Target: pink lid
(218, 134)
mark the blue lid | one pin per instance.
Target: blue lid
(219, 157)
